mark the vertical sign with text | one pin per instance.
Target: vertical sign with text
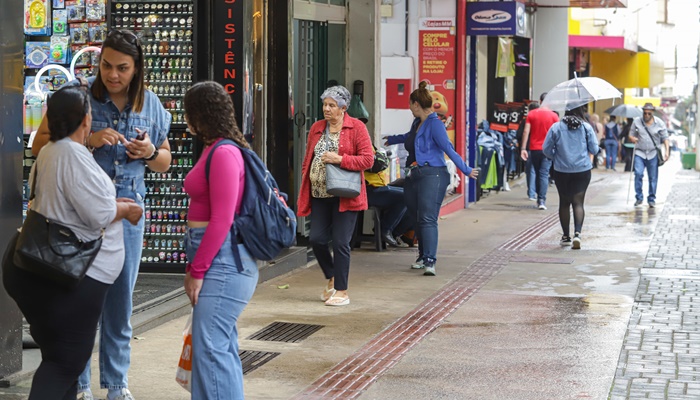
(227, 44)
(436, 64)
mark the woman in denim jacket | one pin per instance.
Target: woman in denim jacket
(427, 178)
(571, 144)
(129, 132)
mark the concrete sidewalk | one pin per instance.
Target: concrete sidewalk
(510, 315)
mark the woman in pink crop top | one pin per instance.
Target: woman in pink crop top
(218, 290)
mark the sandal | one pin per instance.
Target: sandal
(327, 294)
(338, 301)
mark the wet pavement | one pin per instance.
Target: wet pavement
(660, 354)
(511, 314)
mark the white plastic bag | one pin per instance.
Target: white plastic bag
(183, 376)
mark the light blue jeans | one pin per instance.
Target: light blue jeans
(115, 322)
(216, 367)
(652, 167)
(424, 191)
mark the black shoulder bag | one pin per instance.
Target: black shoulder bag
(51, 250)
(659, 153)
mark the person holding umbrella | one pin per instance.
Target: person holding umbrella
(627, 148)
(612, 133)
(647, 133)
(568, 144)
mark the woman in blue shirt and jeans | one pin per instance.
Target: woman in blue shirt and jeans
(427, 177)
(571, 145)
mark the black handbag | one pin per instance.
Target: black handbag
(659, 153)
(52, 250)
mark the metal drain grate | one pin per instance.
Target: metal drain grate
(285, 332)
(251, 360)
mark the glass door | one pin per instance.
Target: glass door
(310, 79)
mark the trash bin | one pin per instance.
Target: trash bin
(688, 160)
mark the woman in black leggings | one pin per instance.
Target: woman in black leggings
(70, 188)
(571, 144)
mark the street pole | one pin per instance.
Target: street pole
(696, 132)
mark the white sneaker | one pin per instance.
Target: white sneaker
(418, 264)
(542, 206)
(85, 396)
(124, 394)
(576, 243)
(400, 242)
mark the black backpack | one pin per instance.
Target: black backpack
(265, 224)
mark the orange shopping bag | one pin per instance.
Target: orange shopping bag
(183, 376)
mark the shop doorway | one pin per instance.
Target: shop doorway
(316, 64)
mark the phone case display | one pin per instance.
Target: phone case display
(166, 33)
(166, 206)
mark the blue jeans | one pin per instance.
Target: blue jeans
(652, 167)
(216, 367)
(424, 190)
(530, 177)
(115, 322)
(610, 153)
(391, 201)
(541, 165)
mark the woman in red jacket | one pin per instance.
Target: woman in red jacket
(347, 144)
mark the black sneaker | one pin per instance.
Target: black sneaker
(388, 238)
(565, 241)
(637, 203)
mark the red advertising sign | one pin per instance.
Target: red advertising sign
(436, 63)
(227, 31)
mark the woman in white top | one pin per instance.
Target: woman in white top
(73, 190)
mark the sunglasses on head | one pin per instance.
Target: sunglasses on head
(129, 36)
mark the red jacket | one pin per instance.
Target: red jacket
(354, 145)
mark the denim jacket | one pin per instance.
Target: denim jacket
(570, 149)
(431, 144)
(153, 119)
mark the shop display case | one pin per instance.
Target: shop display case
(166, 31)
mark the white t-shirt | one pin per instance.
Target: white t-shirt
(73, 190)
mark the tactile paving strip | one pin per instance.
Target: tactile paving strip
(351, 376)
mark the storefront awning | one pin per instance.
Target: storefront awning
(592, 42)
(627, 70)
(577, 3)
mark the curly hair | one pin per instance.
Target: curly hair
(209, 112)
(422, 96)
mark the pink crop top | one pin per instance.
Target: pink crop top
(213, 201)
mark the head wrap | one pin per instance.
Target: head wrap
(338, 93)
